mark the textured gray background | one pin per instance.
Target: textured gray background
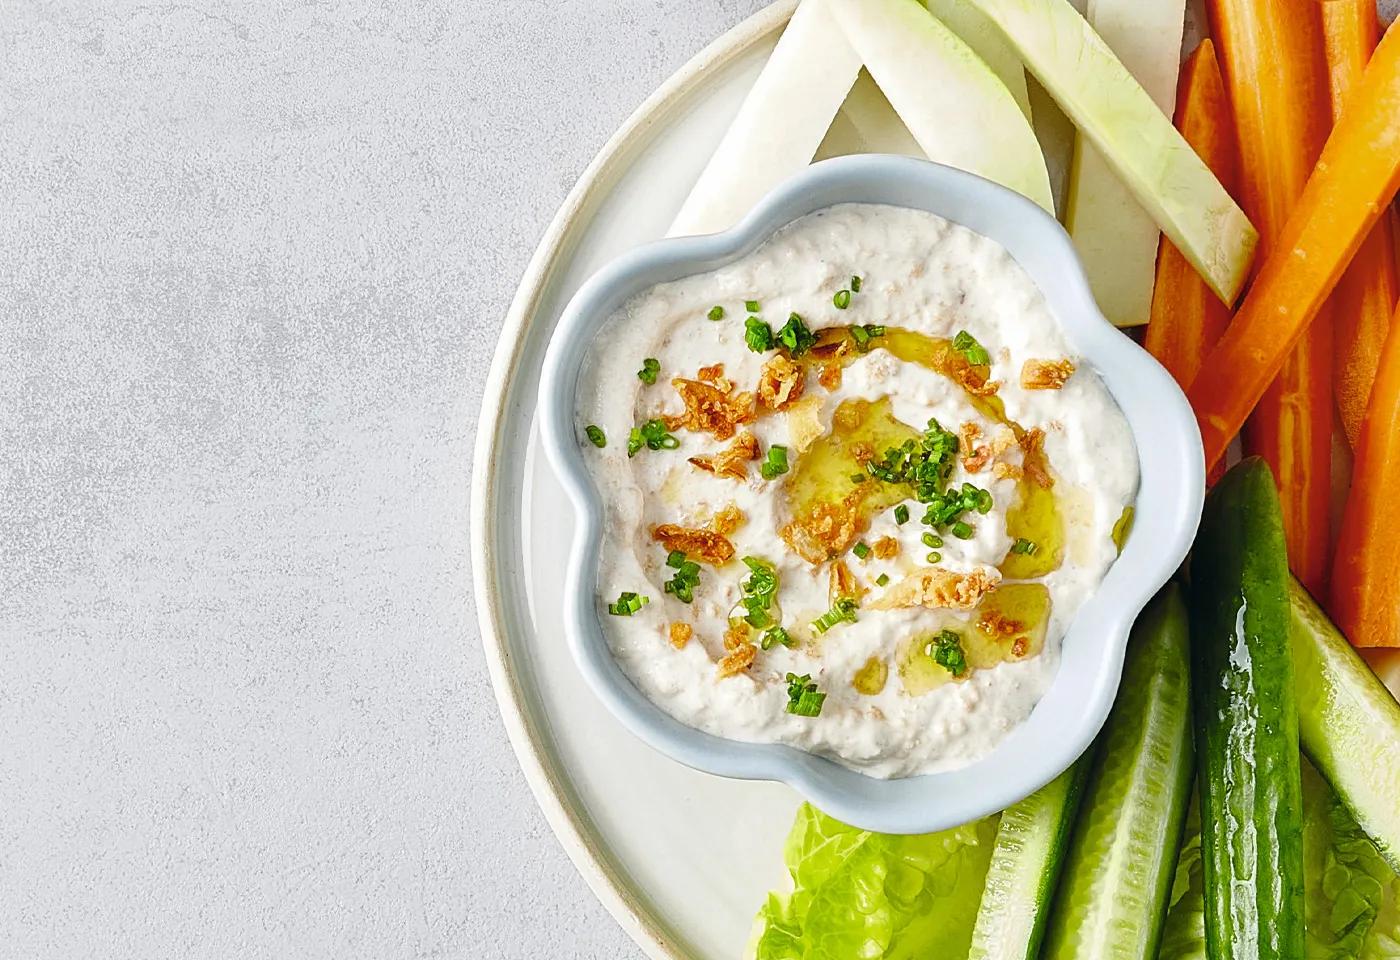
(253, 258)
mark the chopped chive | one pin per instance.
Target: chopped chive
(652, 435)
(682, 585)
(882, 579)
(859, 478)
(752, 306)
(842, 300)
(861, 550)
(934, 557)
(932, 541)
(1024, 546)
(774, 636)
(759, 590)
(775, 464)
(901, 514)
(804, 699)
(962, 531)
(596, 435)
(947, 651)
(842, 611)
(627, 604)
(855, 284)
(975, 354)
(796, 336)
(758, 335)
(716, 312)
(650, 368)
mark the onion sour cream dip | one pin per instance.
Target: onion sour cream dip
(856, 488)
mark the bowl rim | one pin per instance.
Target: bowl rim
(1069, 716)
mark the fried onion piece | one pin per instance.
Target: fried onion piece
(705, 546)
(781, 382)
(1046, 374)
(1033, 463)
(843, 583)
(738, 661)
(937, 588)
(680, 633)
(728, 519)
(708, 409)
(731, 462)
(975, 456)
(826, 530)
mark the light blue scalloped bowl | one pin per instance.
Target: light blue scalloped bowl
(1172, 489)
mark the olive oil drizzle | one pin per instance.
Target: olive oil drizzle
(830, 471)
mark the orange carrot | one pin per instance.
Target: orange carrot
(1273, 60)
(1187, 317)
(1364, 598)
(1362, 303)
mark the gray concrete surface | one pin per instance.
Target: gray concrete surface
(253, 258)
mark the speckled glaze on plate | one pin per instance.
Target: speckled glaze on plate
(1171, 491)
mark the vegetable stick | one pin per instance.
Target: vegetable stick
(1355, 179)
(950, 100)
(1116, 238)
(1187, 319)
(1110, 108)
(973, 28)
(1362, 303)
(1271, 54)
(780, 124)
(1365, 600)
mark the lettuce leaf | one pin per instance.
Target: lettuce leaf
(1351, 895)
(870, 896)
(1184, 933)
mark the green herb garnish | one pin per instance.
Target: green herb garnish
(759, 589)
(961, 530)
(863, 334)
(932, 541)
(1024, 546)
(901, 514)
(882, 579)
(861, 550)
(775, 636)
(627, 604)
(682, 585)
(946, 649)
(855, 284)
(752, 306)
(650, 368)
(925, 463)
(945, 508)
(842, 300)
(975, 354)
(804, 699)
(775, 464)
(596, 436)
(716, 312)
(842, 611)
(758, 335)
(796, 336)
(652, 435)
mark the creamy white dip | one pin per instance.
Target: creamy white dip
(918, 273)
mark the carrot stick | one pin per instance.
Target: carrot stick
(1362, 303)
(1273, 60)
(1364, 599)
(1187, 317)
(1355, 179)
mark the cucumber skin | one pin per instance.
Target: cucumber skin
(996, 936)
(1150, 724)
(1246, 723)
(1348, 722)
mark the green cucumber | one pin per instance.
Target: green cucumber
(1246, 723)
(1348, 722)
(1117, 882)
(1030, 844)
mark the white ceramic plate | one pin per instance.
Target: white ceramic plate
(680, 858)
